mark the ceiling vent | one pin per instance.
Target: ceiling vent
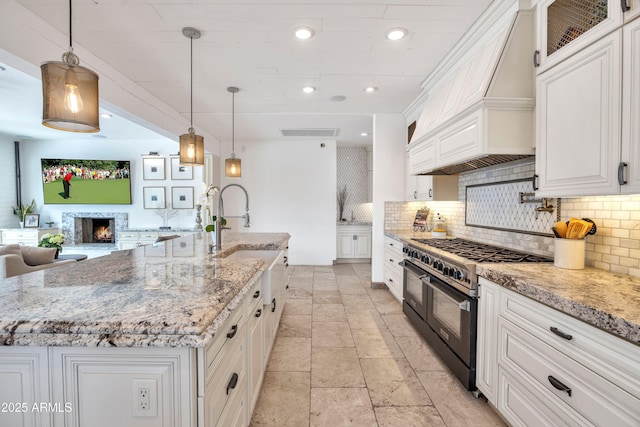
(317, 133)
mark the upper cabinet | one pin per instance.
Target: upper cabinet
(429, 187)
(587, 139)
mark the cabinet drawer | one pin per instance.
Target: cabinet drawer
(391, 260)
(148, 235)
(586, 392)
(254, 299)
(393, 282)
(127, 235)
(610, 356)
(393, 245)
(522, 406)
(230, 332)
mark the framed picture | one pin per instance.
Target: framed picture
(152, 168)
(180, 172)
(182, 197)
(32, 221)
(154, 197)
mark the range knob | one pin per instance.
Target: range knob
(426, 259)
(438, 265)
(445, 271)
(458, 275)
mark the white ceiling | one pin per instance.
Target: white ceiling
(250, 44)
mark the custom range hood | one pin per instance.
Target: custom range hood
(479, 108)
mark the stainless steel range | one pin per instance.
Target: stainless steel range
(440, 290)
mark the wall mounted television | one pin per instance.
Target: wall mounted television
(93, 182)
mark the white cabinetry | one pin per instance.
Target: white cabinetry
(427, 187)
(393, 271)
(552, 369)
(587, 110)
(579, 122)
(130, 239)
(23, 375)
(255, 344)
(274, 304)
(566, 26)
(353, 241)
(25, 236)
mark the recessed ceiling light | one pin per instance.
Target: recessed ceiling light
(364, 134)
(106, 115)
(308, 89)
(304, 33)
(338, 98)
(396, 33)
(370, 89)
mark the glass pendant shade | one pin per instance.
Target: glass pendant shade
(232, 168)
(191, 149)
(69, 97)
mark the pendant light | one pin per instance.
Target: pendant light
(191, 145)
(69, 93)
(233, 166)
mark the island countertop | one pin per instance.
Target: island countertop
(169, 294)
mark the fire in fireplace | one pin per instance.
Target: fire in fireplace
(98, 230)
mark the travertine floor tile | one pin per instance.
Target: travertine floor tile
(303, 283)
(335, 407)
(392, 382)
(295, 325)
(420, 355)
(399, 325)
(370, 344)
(326, 285)
(352, 289)
(290, 354)
(369, 319)
(336, 367)
(331, 334)
(327, 297)
(298, 306)
(408, 416)
(356, 303)
(389, 307)
(294, 293)
(283, 400)
(457, 407)
(329, 313)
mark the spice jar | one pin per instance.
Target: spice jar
(439, 227)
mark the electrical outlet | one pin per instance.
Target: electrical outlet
(145, 398)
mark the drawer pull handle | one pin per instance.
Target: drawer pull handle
(391, 280)
(259, 312)
(390, 260)
(285, 259)
(558, 385)
(621, 180)
(256, 294)
(273, 305)
(560, 333)
(536, 59)
(232, 382)
(234, 330)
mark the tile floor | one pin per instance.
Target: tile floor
(345, 355)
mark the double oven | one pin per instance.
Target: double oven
(440, 289)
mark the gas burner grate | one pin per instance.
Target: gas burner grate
(480, 252)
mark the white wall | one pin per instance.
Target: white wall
(292, 188)
(8, 178)
(389, 143)
(92, 148)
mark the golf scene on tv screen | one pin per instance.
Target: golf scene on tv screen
(96, 182)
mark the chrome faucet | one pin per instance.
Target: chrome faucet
(219, 227)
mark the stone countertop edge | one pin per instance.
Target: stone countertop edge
(132, 340)
(34, 325)
(608, 301)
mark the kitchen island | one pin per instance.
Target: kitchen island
(140, 337)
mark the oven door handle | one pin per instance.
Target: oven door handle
(463, 304)
(414, 269)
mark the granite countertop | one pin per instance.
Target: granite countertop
(602, 299)
(169, 294)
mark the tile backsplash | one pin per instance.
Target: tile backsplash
(615, 247)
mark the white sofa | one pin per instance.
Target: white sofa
(17, 259)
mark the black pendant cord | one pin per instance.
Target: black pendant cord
(191, 81)
(70, 38)
(233, 122)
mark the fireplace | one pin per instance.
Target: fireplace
(98, 230)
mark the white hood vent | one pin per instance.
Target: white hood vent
(479, 108)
